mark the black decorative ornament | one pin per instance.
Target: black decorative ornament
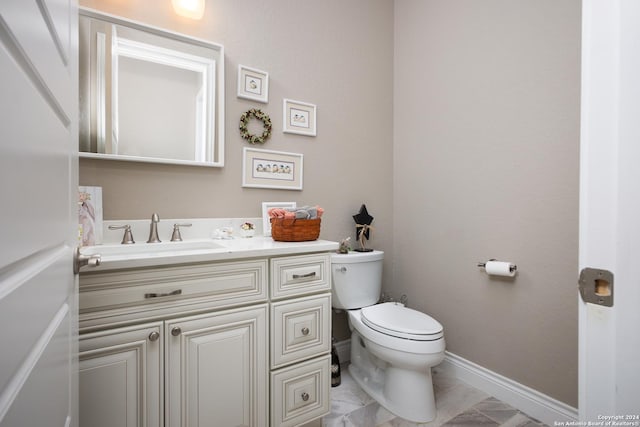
(363, 226)
(259, 115)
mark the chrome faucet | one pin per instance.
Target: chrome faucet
(153, 231)
(127, 239)
(176, 237)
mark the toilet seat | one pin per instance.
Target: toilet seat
(399, 321)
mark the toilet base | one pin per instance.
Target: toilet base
(417, 406)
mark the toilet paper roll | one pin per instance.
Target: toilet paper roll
(500, 268)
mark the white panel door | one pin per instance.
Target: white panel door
(38, 210)
(216, 368)
(121, 377)
(610, 209)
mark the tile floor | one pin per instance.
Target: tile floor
(457, 403)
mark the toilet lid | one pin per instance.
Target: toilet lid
(399, 321)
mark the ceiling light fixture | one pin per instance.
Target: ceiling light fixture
(193, 9)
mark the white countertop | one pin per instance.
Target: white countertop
(117, 256)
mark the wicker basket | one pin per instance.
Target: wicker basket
(295, 230)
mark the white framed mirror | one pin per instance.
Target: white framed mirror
(149, 95)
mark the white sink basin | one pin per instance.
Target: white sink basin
(150, 249)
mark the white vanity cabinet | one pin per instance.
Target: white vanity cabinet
(177, 345)
(300, 338)
(237, 342)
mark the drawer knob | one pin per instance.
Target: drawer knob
(153, 336)
(175, 331)
(305, 331)
(305, 396)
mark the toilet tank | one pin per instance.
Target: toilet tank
(356, 279)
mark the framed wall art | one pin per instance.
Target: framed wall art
(299, 117)
(253, 84)
(271, 169)
(89, 215)
(266, 223)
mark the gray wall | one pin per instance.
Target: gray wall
(335, 54)
(486, 135)
(468, 152)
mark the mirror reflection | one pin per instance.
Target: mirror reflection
(149, 95)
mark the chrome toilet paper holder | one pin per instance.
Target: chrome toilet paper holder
(512, 267)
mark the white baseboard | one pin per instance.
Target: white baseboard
(526, 399)
(531, 402)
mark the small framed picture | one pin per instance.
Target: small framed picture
(89, 215)
(253, 84)
(299, 117)
(271, 169)
(266, 223)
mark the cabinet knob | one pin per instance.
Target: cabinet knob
(153, 336)
(305, 331)
(305, 396)
(175, 331)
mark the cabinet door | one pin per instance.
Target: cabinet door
(121, 377)
(216, 369)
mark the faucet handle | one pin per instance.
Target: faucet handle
(127, 239)
(176, 237)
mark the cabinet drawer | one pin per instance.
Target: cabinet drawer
(300, 393)
(148, 293)
(300, 329)
(299, 275)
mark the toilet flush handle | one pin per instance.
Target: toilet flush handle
(342, 269)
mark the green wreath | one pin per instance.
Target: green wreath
(266, 122)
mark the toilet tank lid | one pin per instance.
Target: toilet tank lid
(354, 257)
(394, 317)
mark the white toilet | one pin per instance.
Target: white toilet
(392, 347)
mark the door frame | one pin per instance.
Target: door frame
(609, 206)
